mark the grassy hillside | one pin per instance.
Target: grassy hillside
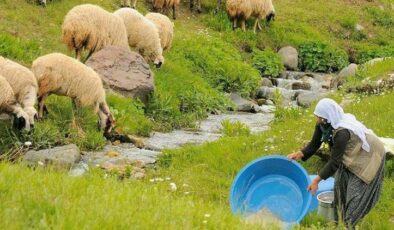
(207, 61)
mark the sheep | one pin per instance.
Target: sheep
(198, 3)
(243, 9)
(238, 10)
(165, 27)
(23, 83)
(59, 74)
(128, 3)
(92, 28)
(164, 5)
(9, 105)
(143, 35)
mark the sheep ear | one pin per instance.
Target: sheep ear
(19, 123)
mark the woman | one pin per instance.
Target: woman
(357, 157)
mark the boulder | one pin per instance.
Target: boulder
(301, 85)
(348, 71)
(289, 56)
(359, 27)
(269, 93)
(60, 157)
(242, 104)
(123, 72)
(266, 82)
(306, 98)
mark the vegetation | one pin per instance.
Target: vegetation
(268, 63)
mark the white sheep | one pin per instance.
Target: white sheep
(23, 83)
(163, 6)
(59, 74)
(143, 35)
(9, 105)
(92, 28)
(165, 27)
(243, 9)
(128, 3)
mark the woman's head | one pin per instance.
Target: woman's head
(328, 111)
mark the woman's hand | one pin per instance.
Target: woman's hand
(314, 185)
(295, 156)
(312, 188)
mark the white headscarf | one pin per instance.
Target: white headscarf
(333, 113)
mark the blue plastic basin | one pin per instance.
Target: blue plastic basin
(274, 183)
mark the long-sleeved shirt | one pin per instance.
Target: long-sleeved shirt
(337, 146)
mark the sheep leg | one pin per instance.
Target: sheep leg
(259, 25)
(199, 6)
(28, 104)
(134, 4)
(41, 105)
(243, 25)
(107, 121)
(78, 54)
(234, 23)
(174, 12)
(219, 3)
(255, 25)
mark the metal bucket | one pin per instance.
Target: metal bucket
(326, 205)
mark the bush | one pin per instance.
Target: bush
(320, 57)
(364, 54)
(268, 63)
(234, 129)
(380, 17)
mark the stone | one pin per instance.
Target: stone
(60, 157)
(359, 27)
(78, 169)
(123, 72)
(376, 60)
(306, 98)
(266, 82)
(269, 93)
(261, 101)
(242, 104)
(348, 71)
(289, 56)
(301, 85)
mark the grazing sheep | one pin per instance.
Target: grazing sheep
(198, 3)
(143, 35)
(164, 5)
(165, 27)
(62, 75)
(92, 28)
(23, 83)
(128, 3)
(238, 10)
(9, 105)
(243, 9)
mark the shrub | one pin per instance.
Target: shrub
(380, 17)
(268, 63)
(364, 54)
(320, 57)
(234, 129)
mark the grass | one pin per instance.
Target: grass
(207, 61)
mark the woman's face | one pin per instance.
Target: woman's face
(320, 120)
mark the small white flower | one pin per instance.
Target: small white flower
(152, 180)
(173, 187)
(205, 221)
(159, 179)
(168, 178)
(40, 163)
(28, 143)
(207, 215)
(187, 193)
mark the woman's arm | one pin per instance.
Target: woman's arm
(338, 149)
(313, 145)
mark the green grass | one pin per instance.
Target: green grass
(207, 60)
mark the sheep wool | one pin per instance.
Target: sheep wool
(9, 105)
(92, 28)
(261, 9)
(59, 74)
(165, 27)
(23, 84)
(143, 35)
(165, 5)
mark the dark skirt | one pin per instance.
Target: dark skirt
(354, 198)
